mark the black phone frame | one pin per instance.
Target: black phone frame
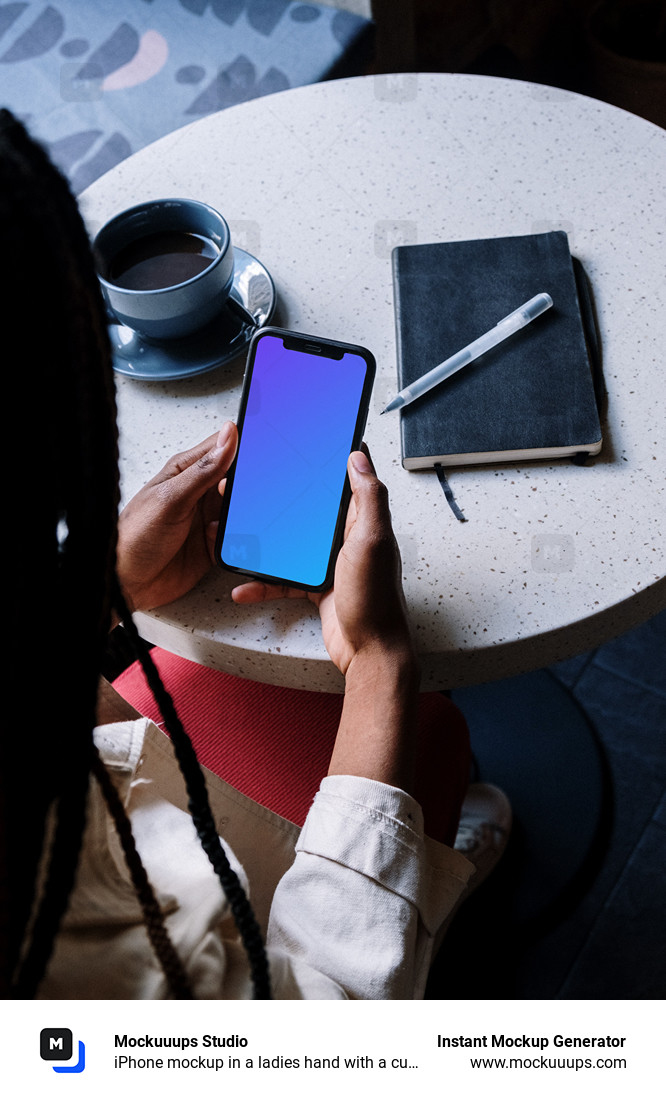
(328, 349)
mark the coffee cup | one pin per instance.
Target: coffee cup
(165, 267)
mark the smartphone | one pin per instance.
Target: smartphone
(303, 409)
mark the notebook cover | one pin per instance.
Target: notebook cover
(531, 396)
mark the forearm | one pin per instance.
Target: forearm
(375, 737)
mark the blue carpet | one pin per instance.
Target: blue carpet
(96, 82)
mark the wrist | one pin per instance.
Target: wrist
(395, 666)
(376, 733)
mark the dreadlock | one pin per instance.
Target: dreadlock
(61, 492)
(199, 807)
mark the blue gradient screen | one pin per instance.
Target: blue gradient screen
(292, 461)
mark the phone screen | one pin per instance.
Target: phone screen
(302, 412)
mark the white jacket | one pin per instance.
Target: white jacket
(349, 905)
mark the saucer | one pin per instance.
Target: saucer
(219, 342)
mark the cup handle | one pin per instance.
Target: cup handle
(239, 311)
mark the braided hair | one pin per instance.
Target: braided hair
(62, 496)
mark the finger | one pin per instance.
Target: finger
(196, 471)
(361, 462)
(209, 452)
(366, 451)
(350, 518)
(179, 462)
(370, 495)
(258, 592)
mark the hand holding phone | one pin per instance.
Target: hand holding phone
(164, 546)
(365, 610)
(303, 410)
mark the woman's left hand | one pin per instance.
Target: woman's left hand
(166, 533)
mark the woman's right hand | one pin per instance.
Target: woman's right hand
(365, 609)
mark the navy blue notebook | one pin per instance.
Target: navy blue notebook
(535, 395)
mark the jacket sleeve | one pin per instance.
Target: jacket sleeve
(367, 891)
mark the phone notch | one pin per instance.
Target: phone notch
(328, 351)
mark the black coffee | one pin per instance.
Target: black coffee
(161, 259)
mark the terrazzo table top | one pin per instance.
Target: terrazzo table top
(320, 183)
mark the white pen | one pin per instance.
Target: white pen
(506, 327)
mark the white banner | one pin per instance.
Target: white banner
(126, 1050)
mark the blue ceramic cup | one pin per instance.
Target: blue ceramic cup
(165, 267)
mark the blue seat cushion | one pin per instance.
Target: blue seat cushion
(95, 82)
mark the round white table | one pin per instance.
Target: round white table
(320, 183)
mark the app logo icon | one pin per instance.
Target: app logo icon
(56, 1045)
